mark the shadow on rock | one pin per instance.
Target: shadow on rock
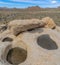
(16, 56)
(46, 42)
(39, 30)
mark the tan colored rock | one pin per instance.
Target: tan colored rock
(42, 46)
(49, 23)
(18, 26)
(58, 28)
(3, 27)
(6, 34)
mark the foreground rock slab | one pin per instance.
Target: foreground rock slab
(42, 46)
(38, 44)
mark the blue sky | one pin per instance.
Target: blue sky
(29, 3)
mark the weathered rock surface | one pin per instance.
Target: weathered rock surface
(49, 22)
(6, 34)
(57, 28)
(4, 48)
(3, 28)
(18, 26)
(43, 47)
(40, 46)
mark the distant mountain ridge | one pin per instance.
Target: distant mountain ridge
(9, 14)
(29, 8)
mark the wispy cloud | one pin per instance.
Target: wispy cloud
(26, 3)
(37, 1)
(53, 1)
(24, 0)
(3, 3)
(31, 1)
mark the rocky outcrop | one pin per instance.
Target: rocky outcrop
(3, 28)
(38, 44)
(42, 48)
(49, 22)
(19, 26)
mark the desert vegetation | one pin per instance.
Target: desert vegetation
(7, 14)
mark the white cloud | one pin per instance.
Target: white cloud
(30, 1)
(53, 1)
(22, 0)
(3, 3)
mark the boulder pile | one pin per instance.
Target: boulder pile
(30, 42)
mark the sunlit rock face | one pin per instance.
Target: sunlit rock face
(49, 22)
(18, 26)
(43, 46)
(35, 46)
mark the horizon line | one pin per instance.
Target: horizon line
(28, 7)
